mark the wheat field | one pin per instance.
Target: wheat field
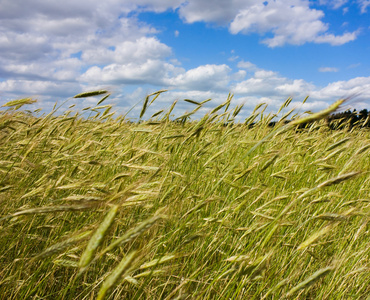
(98, 207)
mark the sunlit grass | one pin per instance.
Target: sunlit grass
(169, 208)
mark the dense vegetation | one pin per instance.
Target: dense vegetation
(337, 121)
(99, 207)
(349, 119)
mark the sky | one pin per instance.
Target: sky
(260, 51)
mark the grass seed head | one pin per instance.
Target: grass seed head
(19, 103)
(116, 274)
(310, 280)
(90, 94)
(97, 238)
(339, 179)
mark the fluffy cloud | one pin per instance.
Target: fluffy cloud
(44, 32)
(37, 88)
(155, 72)
(46, 45)
(203, 78)
(272, 88)
(294, 87)
(60, 70)
(336, 40)
(364, 4)
(23, 46)
(216, 11)
(160, 73)
(270, 84)
(139, 51)
(291, 22)
(247, 65)
(359, 87)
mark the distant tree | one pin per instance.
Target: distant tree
(349, 118)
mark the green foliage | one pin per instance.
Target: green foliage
(101, 207)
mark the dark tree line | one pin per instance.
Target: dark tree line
(347, 119)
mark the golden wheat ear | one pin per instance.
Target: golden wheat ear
(91, 94)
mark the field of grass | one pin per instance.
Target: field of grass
(98, 207)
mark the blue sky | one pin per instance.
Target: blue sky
(261, 51)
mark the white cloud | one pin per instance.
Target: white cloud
(359, 86)
(266, 83)
(291, 22)
(62, 70)
(238, 76)
(262, 84)
(150, 72)
(328, 69)
(246, 65)
(295, 87)
(50, 43)
(335, 4)
(274, 89)
(15, 88)
(23, 46)
(337, 40)
(216, 11)
(364, 4)
(203, 78)
(41, 51)
(137, 51)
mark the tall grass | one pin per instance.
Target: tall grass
(100, 207)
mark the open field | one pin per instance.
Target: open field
(102, 208)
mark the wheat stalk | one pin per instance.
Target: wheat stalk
(311, 280)
(116, 274)
(97, 239)
(90, 94)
